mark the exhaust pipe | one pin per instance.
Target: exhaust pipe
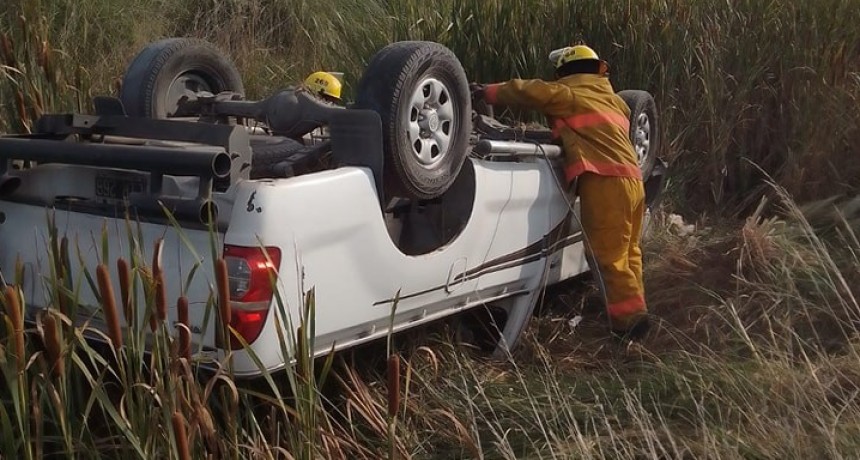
(197, 161)
(492, 148)
(8, 184)
(200, 210)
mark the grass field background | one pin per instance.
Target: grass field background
(755, 354)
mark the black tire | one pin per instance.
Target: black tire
(165, 69)
(390, 84)
(643, 117)
(268, 151)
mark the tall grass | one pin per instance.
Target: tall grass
(756, 351)
(774, 83)
(132, 386)
(760, 362)
(759, 358)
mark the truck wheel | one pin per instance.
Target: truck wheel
(166, 70)
(643, 128)
(268, 151)
(421, 93)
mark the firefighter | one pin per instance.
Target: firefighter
(324, 85)
(592, 124)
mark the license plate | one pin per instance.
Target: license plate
(118, 187)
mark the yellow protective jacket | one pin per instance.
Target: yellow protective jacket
(591, 120)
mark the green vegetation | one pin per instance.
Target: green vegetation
(761, 361)
(756, 352)
(760, 82)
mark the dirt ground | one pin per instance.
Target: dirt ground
(681, 282)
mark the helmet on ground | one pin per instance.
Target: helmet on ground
(568, 54)
(324, 83)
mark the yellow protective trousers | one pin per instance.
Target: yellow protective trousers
(612, 210)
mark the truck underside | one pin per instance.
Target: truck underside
(244, 224)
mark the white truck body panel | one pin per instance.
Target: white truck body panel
(333, 237)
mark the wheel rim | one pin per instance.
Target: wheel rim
(642, 138)
(187, 85)
(431, 122)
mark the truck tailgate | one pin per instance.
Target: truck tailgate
(25, 243)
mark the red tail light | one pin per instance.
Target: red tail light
(252, 272)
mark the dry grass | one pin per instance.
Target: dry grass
(755, 353)
(744, 85)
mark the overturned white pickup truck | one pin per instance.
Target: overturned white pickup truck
(403, 208)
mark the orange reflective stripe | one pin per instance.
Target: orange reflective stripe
(587, 120)
(629, 307)
(601, 168)
(556, 129)
(491, 93)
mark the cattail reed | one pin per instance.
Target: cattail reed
(64, 253)
(36, 421)
(22, 110)
(393, 384)
(46, 62)
(16, 316)
(181, 434)
(53, 345)
(58, 261)
(160, 298)
(42, 58)
(38, 102)
(109, 305)
(153, 321)
(63, 273)
(184, 331)
(301, 353)
(223, 300)
(156, 257)
(6, 53)
(160, 313)
(60, 274)
(22, 23)
(124, 273)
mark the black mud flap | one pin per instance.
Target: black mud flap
(655, 183)
(356, 140)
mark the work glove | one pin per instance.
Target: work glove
(477, 91)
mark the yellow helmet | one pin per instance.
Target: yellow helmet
(567, 54)
(324, 83)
